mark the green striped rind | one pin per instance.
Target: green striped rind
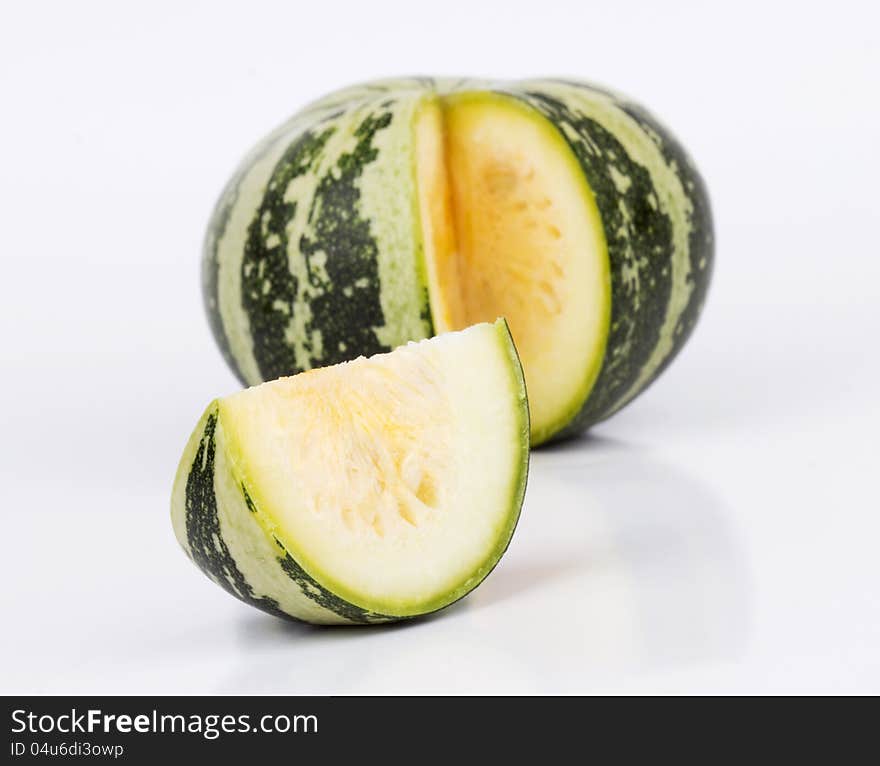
(701, 239)
(312, 256)
(222, 531)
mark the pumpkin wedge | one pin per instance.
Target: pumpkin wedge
(374, 490)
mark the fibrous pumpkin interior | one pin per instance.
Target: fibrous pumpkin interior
(394, 481)
(510, 228)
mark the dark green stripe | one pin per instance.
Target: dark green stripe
(701, 242)
(207, 546)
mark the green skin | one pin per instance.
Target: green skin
(286, 291)
(218, 522)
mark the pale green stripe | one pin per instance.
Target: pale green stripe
(389, 202)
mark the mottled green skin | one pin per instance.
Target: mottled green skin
(648, 304)
(311, 291)
(349, 306)
(702, 236)
(210, 553)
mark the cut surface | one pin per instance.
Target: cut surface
(511, 229)
(394, 481)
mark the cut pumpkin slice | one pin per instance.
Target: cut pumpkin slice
(374, 490)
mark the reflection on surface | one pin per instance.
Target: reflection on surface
(621, 564)
(638, 553)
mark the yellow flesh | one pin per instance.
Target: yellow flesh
(389, 479)
(511, 229)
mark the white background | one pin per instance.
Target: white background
(719, 535)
